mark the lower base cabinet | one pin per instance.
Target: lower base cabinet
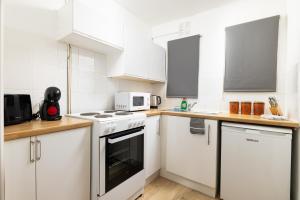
(19, 170)
(152, 145)
(191, 156)
(53, 166)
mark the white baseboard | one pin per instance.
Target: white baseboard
(152, 177)
(212, 192)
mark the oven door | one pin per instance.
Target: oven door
(124, 156)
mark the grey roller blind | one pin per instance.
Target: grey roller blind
(183, 67)
(251, 56)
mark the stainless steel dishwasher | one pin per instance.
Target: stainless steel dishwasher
(255, 162)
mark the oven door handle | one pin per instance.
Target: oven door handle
(119, 139)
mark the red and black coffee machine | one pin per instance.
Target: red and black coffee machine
(50, 110)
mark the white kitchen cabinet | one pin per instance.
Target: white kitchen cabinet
(19, 170)
(105, 27)
(92, 24)
(64, 166)
(152, 145)
(157, 63)
(60, 170)
(141, 58)
(192, 156)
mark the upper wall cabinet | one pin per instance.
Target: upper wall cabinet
(141, 58)
(251, 56)
(92, 24)
(157, 64)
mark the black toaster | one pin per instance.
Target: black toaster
(17, 108)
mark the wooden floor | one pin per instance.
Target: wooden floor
(163, 189)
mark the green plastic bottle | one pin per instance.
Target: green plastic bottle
(183, 106)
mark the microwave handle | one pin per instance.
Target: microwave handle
(126, 137)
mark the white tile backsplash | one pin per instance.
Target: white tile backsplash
(91, 88)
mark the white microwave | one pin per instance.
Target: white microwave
(132, 101)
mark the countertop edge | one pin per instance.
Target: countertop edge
(229, 118)
(36, 131)
(36, 128)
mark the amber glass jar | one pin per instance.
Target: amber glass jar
(246, 108)
(258, 108)
(234, 107)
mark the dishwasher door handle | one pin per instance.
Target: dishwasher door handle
(252, 140)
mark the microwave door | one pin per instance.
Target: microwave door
(138, 102)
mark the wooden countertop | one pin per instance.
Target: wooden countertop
(250, 119)
(152, 112)
(38, 127)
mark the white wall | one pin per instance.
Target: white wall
(211, 26)
(293, 57)
(292, 88)
(1, 106)
(34, 60)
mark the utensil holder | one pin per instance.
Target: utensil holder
(276, 111)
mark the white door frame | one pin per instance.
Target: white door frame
(1, 105)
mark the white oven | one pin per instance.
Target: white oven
(132, 101)
(117, 157)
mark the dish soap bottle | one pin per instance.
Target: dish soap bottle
(183, 106)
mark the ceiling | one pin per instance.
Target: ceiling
(156, 12)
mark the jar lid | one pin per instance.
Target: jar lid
(259, 102)
(246, 102)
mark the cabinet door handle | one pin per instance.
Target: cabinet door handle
(38, 150)
(158, 127)
(32, 159)
(208, 134)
